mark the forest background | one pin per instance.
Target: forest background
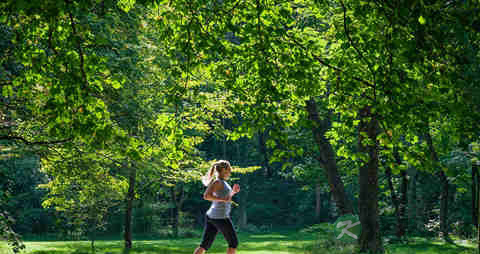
(112, 110)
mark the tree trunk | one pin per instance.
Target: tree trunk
(393, 195)
(370, 239)
(224, 146)
(327, 158)
(402, 200)
(444, 192)
(400, 203)
(332, 207)
(444, 205)
(412, 200)
(264, 153)
(128, 214)
(478, 207)
(175, 211)
(474, 196)
(421, 204)
(318, 201)
(177, 200)
(243, 220)
(402, 218)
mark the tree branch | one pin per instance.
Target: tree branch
(50, 35)
(359, 53)
(324, 63)
(79, 48)
(25, 141)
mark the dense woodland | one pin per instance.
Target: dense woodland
(111, 110)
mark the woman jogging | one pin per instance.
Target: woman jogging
(217, 217)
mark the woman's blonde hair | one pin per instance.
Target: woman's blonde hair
(214, 171)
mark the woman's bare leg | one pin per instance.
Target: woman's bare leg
(200, 250)
(231, 251)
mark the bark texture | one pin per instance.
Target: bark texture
(370, 239)
(444, 191)
(129, 208)
(327, 158)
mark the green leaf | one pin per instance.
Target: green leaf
(422, 20)
(116, 84)
(126, 5)
(395, 170)
(7, 91)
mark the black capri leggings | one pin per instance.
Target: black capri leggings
(212, 226)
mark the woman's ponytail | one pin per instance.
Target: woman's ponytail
(208, 177)
(214, 171)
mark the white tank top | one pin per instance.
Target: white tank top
(221, 210)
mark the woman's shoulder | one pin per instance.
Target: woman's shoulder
(217, 182)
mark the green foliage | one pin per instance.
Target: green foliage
(155, 87)
(81, 190)
(8, 234)
(20, 207)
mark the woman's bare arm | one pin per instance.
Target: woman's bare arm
(214, 187)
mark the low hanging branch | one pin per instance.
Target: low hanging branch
(324, 63)
(79, 49)
(369, 65)
(350, 40)
(26, 142)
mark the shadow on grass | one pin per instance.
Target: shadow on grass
(281, 243)
(325, 244)
(249, 243)
(427, 247)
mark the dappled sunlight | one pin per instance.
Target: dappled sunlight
(268, 236)
(274, 243)
(303, 127)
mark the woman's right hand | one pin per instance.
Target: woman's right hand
(236, 189)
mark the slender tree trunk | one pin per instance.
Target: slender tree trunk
(400, 202)
(444, 192)
(474, 196)
(128, 214)
(224, 145)
(421, 204)
(327, 158)
(403, 198)
(412, 200)
(402, 218)
(177, 199)
(393, 195)
(318, 200)
(478, 206)
(444, 205)
(370, 239)
(332, 207)
(264, 153)
(243, 220)
(174, 211)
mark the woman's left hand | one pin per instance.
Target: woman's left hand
(236, 189)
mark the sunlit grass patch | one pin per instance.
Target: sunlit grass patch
(291, 242)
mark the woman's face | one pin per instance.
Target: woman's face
(226, 173)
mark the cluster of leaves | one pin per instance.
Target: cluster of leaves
(82, 189)
(8, 234)
(76, 74)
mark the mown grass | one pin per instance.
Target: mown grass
(261, 243)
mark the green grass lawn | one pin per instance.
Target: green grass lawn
(273, 243)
